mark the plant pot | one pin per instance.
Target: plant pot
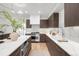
(14, 36)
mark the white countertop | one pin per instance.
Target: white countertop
(9, 46)
(71, 47)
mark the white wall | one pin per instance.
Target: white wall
(61, 18)
(61, 22)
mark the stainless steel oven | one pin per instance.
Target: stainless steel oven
(35, 36)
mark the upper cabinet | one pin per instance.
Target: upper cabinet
(71, 11)
(35, 19)
(44, 23)
(28, 25)
(53, 20)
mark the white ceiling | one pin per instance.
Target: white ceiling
(27, 9)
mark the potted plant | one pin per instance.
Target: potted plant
(14, 23)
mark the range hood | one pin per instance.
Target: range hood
(35, 19)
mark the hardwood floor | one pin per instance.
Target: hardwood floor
(39, 49)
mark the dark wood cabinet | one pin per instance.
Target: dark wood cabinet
(3, 36)
(42, 38)
(28, 25)
(53, 20)
(71, 11)
(16, 52)
(54, 49)
(26, 49)
(44, 23)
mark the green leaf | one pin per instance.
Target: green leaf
(1, 26)
(14, 23)
(6, 15)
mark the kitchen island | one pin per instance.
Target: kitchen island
(8, 47)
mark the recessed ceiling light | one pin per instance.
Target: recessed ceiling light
(26, 12)
(20, 12)
(39, 12)
(13, 11)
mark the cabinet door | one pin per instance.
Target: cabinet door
(61, 52)
(42, 38)
(16, 53)
(44, 23)
(53, 20)
(71, 14)
(28, 48)
(53, 48)
(49, 45)
(57, 51)
(28, 24)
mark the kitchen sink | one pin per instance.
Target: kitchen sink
(63, 40)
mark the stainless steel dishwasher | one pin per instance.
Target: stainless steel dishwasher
(24, 48)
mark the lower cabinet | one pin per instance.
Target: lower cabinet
(42, 38)
(23, 50)
(28, 47)
(54, 49)
(16, 52)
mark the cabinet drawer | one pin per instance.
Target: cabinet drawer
(42, 38)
